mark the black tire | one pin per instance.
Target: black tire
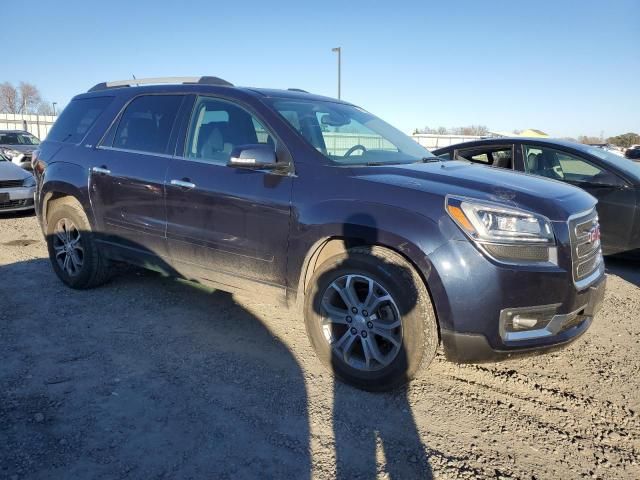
(419, 327)
(95, 269)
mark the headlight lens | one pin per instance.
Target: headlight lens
(9, 152)
(505, 233)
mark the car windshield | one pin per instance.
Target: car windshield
(628, 166)
(18, 138)
(348, 135)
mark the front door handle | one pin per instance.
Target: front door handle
(183, 184)
(101, 170)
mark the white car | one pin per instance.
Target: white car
(17, 187)
(18, 146)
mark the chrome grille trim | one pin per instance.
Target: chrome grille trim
(586, 256)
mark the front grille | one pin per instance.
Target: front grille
(11, 183)
(16, 204)
(586, 254)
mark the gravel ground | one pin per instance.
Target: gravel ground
(149, 377)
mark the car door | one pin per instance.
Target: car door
(227, 225)
(616, 200)
(127, 176)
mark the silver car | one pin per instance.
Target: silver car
(18, 146)
(17, 187)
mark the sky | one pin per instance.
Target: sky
(568, 68)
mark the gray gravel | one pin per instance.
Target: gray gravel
(150, 377)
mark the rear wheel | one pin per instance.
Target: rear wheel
(370, 318)
(73, 252)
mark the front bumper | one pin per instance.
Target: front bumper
(20, 198)
(563, 329)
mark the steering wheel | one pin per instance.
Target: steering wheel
(355, 148)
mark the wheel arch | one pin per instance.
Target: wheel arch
(328, 247)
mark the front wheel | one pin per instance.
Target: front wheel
(369, 317)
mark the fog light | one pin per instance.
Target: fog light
(528, 322)
(523, 323)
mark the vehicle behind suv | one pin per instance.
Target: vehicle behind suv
(386, 251)
(18, 146)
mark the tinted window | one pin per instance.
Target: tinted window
(561, 165)
(146, 123)
(218, 126)
(76, 120)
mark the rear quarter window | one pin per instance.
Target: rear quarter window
(76, 120)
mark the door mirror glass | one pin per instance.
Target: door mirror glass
(257, 157)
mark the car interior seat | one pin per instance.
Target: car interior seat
(502, 162)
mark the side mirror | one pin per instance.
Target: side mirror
(255, 157)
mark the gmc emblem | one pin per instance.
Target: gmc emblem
(594, 234)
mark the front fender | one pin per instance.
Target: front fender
(404, 231)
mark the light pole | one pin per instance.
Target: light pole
(339, 51)
(54, 108)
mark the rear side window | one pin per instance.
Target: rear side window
(76, 120)
(145, 125)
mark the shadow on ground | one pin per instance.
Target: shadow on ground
(146, 377)
(626, 268)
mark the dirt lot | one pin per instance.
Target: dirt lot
(149, 377)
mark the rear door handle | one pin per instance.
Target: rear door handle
(183, 184)
(101, 170)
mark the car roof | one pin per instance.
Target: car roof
(289, 94)
(503, 140)
(14, 131)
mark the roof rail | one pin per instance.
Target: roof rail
(297, 90)
(156, 80)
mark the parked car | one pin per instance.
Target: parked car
(316, 203)
(613, 180)
(18, 145)
(633, 153)
(17, 187)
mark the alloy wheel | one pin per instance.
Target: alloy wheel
(361, 322)
(68, 249)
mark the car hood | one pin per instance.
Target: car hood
(10, 171)
(21, 148)
(555, 200)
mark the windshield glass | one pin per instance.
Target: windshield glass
(348, 135)
(624, 164)
(17, 138)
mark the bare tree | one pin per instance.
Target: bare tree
(44, 108)
(24, 99)
(475, 130)
(30, 98)
(588, 139)
(8, 98)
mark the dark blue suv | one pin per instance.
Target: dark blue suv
(385, 251)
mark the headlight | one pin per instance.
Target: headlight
(505, 233)
(9, 152)
(29, 182)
